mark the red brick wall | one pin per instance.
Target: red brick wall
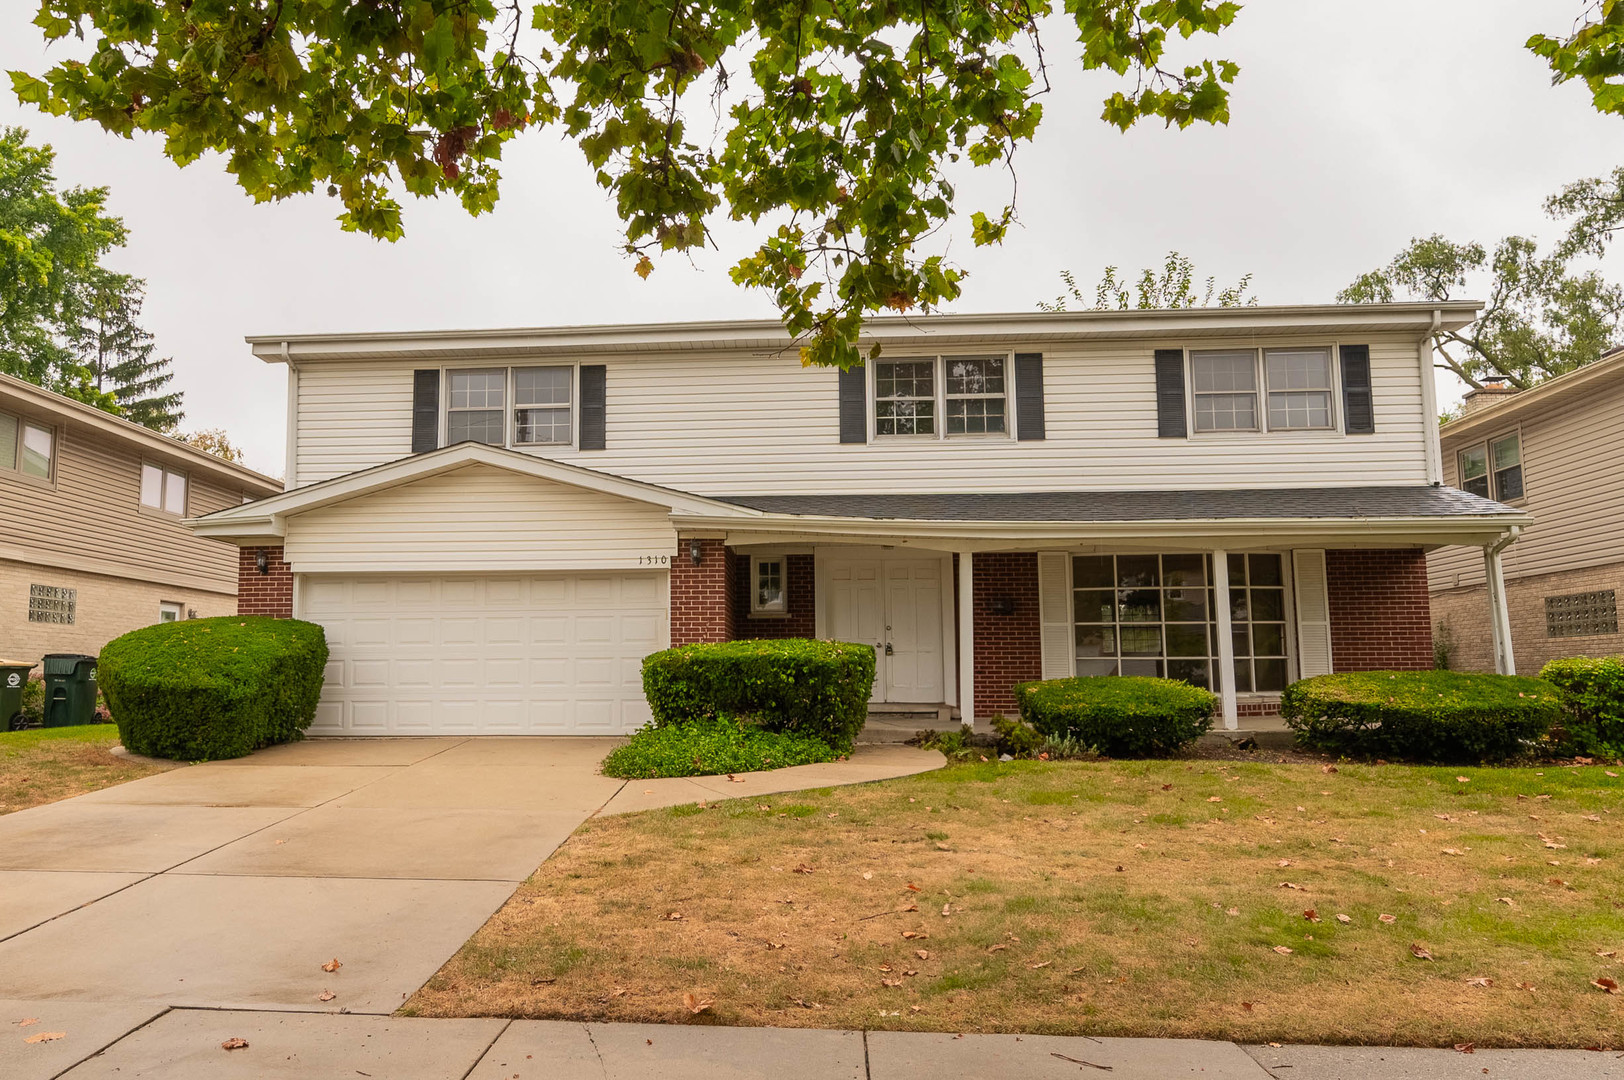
(1008, 648)
(801, 619)
(1380, 616)
(699, 594)
(270, 593)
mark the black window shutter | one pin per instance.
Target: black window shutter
(1358, 410)
(853, 406)
(1029, 396)
(1170, 419)
(594, 425)
(425, 410)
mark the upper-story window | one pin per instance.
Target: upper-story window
(942, 395)
(1296, 381)
(26, 447)
(1493, 469)
(543, 406)
(163, 489)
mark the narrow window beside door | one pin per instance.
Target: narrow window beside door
(769, 592)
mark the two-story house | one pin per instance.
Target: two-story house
(1555, 450)
(496, 526)
(92, 543)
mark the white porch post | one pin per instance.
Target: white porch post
(1226, 641)
(1499, 613)
(967, 638)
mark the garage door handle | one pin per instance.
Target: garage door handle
(888, 649)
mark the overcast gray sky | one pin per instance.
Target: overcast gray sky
(1357, 124)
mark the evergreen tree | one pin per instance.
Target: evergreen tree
(117, 353)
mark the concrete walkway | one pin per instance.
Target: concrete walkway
(186, 1044)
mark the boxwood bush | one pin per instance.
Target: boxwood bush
(1591, 690)
(815, 688)
(204, 689)
(710, 748)
(1440, 716)
(1119, 716)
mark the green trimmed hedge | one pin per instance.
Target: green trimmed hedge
(1441, 716)
(815, 688)
(711, 748)
(204, 689)
(1592, 695)
(1117, 715)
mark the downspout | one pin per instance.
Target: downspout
(290, 467)
(1429, 401)
(1505, 662)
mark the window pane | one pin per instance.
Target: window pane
(542, 425)
(1505, 452)
(1141, 640)
(37, 447)
(1473, 463)
(1151, 668)
(1138, 570)
(1269, 639)
(1508, 483)
(175, 492)
(975, 416)
(475, 426)
(1243, 676)
(1271, 674)
(1299, 410)
(1095, 606)
(1096, 641)
(1096, 667)
(1266, 569)
(1186, 605)
(975, 374)
(1193, 672)
(1187, 639)
(1226, 412)
(1298, 369)
(477, 389)
(1237, 570)
(1507, 458)
(1238, 611)
(1093, 572)
(1478, 485)
(1238, 640)
(1140, 605)
(905, 417)
(1213, 372)
(1268, 605)
(152, 486)
(1184, 569)
(769, 584)
(8, 441)
(541, 386)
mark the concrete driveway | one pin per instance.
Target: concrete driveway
(230, 884)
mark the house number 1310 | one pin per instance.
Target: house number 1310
(653, 560)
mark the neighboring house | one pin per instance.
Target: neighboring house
(1557, 451)
(496, 526)
(92, 544)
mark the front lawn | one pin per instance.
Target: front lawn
(48, 764)
(1208, 899)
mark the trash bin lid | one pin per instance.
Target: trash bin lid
(65, 663)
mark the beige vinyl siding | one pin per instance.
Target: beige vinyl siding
(744, 423)
(479, 518)
(1573, 483)
(352, 416)
(91, 518)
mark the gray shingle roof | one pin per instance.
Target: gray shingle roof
(1104, 506)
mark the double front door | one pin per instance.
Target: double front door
(894, 604)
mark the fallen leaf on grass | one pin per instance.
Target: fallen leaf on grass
(1506, 900)
(234, 1044)
(1283, 950)
(1289, 885)
(331, 965)
(1327, 768)
(1592, 817)
(803, 869)
(1247, 1005)
(694, 1005)
(1526, 986)
(1388, 918)
(1214, 798)
(911, 887)
(1169, 787)
(1044, 964)
(1607, 953)
(915, 935)
(1311, 915)
(890, 982)
(1480, 980)
(868, 875)
(1465, 1048)
(326, 995)
(997, 948)
(1610, 773)
(1464, 779)
(1343, 918)
(1453, 851)
(1606, 984)
(1233, 911)
(46, 1036)
(1283, 863)
(1419, 951)
(671, 916)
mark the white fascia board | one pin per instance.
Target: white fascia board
(900, 331)
(245, 530)
(448, 459)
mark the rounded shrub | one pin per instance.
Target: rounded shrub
(815, 688)
(710, 748)
(1118, 715)
(1591, 690)
(205, 689)
(1440, 716)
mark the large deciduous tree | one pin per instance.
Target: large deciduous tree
(836, 121)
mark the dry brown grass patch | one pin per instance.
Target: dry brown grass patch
(49, 764)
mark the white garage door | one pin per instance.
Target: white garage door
(535, 654)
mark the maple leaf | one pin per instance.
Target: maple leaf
(1604, 983)
(694, 1004)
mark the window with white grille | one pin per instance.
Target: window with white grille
(1583, 614)
(52, 604)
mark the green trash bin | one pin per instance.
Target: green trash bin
(13, 680)
(70, 689)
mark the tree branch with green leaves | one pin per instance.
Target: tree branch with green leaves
(842, 117)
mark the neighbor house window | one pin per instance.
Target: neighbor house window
(26, 448)
(541, 405)
(163, 489)
(768, 592)
(1155, 615)
(168, 612)
(1299, 382)
(975, 395)
(10, 430)
(1493, 469)
(905, 397)
(52, 604)
(474, 410)
(1225, 389)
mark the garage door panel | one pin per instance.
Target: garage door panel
(499, 654)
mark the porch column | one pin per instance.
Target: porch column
(1499, 613)
(1226, 641)
(967, 638)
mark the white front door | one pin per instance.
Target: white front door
(896, 606)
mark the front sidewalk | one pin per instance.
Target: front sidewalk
(185, 1044)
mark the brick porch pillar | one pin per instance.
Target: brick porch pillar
(270, 593)
(699, 593)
